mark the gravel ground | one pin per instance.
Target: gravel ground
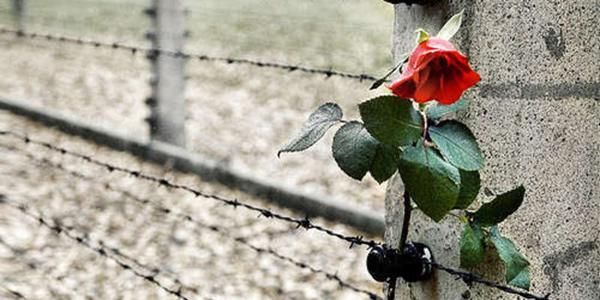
(41, 265)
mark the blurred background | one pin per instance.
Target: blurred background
(237, 114)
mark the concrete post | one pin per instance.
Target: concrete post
(536, 115)
(167, 103)
(19, 14)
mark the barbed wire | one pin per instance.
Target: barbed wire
(469, 278)
(182, 216)
(218, 229)
(154, 52)
(305, 223)
(82, 239)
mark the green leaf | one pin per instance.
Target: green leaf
(422, 35)
(500, 208)
(392, 120)
(517, 266)
(314, 128)
(451, 27)
(470, 183)
(431, 182)
(472, 246)
(457, 144)
(354, 149)
(382, 80)
(438, 110)
(385, 162)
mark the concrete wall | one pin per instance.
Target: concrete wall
(536, 114)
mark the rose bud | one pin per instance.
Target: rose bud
(435, 71)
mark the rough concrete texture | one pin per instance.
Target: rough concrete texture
(535, 114)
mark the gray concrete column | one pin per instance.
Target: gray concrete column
(536, 115)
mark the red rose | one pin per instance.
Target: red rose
(435, 71)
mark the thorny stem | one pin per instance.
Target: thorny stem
(403, 236)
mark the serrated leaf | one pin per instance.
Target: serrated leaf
(517, 266)
(431, 182)
(457, 144)
(392, 120)
(402, 59)
(500, 208)
(314, 128)
(438, 110)
(470, 183)
(385, 162)
(354, 149)
(472, 246)
(451, 27)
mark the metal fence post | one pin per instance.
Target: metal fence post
(167, 103)
(19, 14)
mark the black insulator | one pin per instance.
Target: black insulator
(415, 264)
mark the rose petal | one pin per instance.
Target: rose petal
(404, 88)
(435, 71)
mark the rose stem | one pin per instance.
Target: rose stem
(403, 236)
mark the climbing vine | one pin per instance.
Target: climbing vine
(438, 159)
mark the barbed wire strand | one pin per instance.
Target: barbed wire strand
(469, 278)
(153, 52)
(116, 251)
(465, 276)
(218, 229)
(305, 223)
(182, 216)
(82, 240)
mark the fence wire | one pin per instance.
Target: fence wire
(214, 228)
(305, 223)
(98, 247)
(467, 277)
(152, 53)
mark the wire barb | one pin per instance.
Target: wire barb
(220, 230)
(188, 218)
(470, 278)
(101, 250)
(300, 223)
(308, 225)
(152, 53)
